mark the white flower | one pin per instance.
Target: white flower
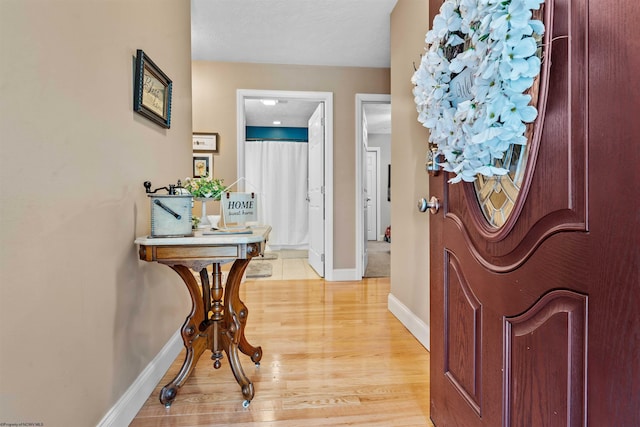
(499, 62)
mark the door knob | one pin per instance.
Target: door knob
(433, 205)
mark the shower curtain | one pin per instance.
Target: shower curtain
(278, 170)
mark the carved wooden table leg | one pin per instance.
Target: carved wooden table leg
(217, 315)
(235, 316)
(254, 352)
(195, 343)
(222, 331)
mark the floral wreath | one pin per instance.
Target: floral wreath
(482, 56)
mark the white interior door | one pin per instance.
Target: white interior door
(372, 194)
(365, 196)
(316, 190)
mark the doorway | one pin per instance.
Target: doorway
(325, 98)
(367, 125)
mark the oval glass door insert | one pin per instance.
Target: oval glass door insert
(497, 195)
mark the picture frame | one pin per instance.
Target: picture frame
(152, 91)
(205, 141)
(202, 165)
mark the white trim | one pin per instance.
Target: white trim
(344, 275)
(130, 403)
(327, 98)
(361, 99)
(413, 323)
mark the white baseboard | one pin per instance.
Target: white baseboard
(127, 407)
(414, 324)
(342, 275)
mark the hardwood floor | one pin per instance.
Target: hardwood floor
(332, 355)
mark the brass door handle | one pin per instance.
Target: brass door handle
(433, 205)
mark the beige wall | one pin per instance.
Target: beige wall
(409, 181)
(214, 110)
(80, 316)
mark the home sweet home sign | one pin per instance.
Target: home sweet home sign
(239, 208)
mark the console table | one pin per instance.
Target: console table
(218, 316)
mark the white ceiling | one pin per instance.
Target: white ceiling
(353, 33)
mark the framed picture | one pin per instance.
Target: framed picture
(205, 141)
(151, 91)
(202, 165)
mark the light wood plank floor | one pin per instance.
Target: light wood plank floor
(333, 355)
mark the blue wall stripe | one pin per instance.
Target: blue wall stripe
(277, 133)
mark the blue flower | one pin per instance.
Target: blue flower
(448, 20)
(476, 120)
(518, 110)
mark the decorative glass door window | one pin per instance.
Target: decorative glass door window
(497, 195)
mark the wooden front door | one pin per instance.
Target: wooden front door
(536, 322)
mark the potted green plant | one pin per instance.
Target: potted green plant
(204, 189)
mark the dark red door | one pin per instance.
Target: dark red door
(536, 322)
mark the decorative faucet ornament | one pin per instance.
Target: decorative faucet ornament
(470, 89)
(170, 213)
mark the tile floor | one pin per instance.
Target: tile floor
(290, 265)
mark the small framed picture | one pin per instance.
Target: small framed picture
(202, 165)
(205, 142)
(151, 91)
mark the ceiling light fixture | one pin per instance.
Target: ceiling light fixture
(277, 122)
(269, 102)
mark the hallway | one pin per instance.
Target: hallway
(379, 254)
(293, 264)
(333, 354)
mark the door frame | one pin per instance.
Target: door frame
(361, 99)
(327, 99)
